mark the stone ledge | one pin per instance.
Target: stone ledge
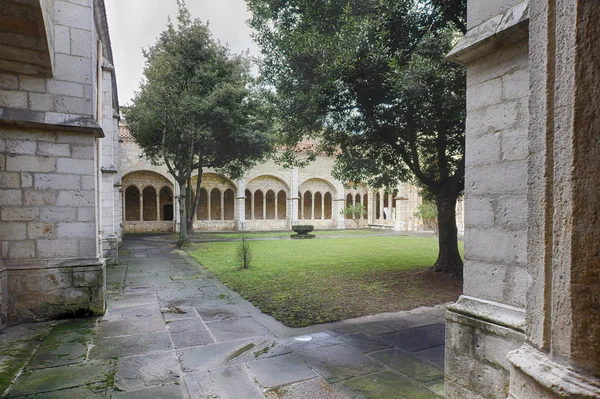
(493, 312)
(554, 377)
(50, 121)
(499, 31)
(37, 264)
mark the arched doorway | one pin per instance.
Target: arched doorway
(132, 204)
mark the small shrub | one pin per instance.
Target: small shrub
(427, 212)
(244, 253)
(354, 212)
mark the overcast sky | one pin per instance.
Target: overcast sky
(136, 24)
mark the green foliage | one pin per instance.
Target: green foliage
(427, 212)
(355, 212)
(198, 107)
(244, 253)
(370, 80)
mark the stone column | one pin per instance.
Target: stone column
(276, 207)
(302, 205)
(158, 206)
(124, 209)
(252, 204)
(312, 206)
(223, 206)
(264, 206)
(240, 205)
(371, 207)
(561, 356)
(208, 205)
(323, 207)
(381, 195)
(293, 197)
(141, 207)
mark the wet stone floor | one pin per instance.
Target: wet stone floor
(172, 330)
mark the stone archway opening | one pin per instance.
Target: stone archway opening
(150, 207)
(132, 204)
(166, 204)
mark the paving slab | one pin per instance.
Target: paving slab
(409, 365)
(317, 388)
(187, 325)
(417, 339)
(61, 349)
(385, 385)
(145, 371)
(234, 329)
(231, 382)
(280, 370)
(434, 355)
(339, 362)
(412, 321)
(171, 391)
(365, 343)
(374, 328)
(192, 338)
(115, 328)
(106, 348)
(311, 341)
(93, 391)
(55, 378)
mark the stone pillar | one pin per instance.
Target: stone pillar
(337, 208)
(240, 206)
(276, 210)
(312, 206)
(124, 209)
(223, 206)
(264, 206)
(302, 205)
(252, 204)
(141, 206)
(488, 321)
(381, 214)
(158, 206)
(371, 207)
(561, 356)
(323, 207)
(293, 197)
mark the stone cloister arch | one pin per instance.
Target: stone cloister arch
(316, 202)
(266, 202)
(147, 202)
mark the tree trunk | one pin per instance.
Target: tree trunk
(449, 260)
(183, 238)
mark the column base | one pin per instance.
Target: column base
(110, 250)
(479, 334)
(535, 375)
(40, 290)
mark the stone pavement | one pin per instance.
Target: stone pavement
(173, 331)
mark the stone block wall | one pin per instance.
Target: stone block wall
(488, 321)
(48, 223)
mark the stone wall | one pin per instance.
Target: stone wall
(56, 193)
(48, 218)
(488, 321)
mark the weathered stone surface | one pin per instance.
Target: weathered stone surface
(418, 338)
(339, 362)
(229, 330)
(106, 348)
(409, 365)
(146, 371)
(385, 385)
(280, 370)
(317, 388)
(225, 382)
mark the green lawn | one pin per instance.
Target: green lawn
(303, 282)
(260, 234)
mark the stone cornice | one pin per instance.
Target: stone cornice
(36, 264)
(555, 377)
(490, 311)
(50, 121)
(496, 32)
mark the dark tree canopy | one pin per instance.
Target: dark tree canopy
(370, 80)
(198, 108)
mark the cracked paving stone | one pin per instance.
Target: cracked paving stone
(55, 378)
(225, 383)
(114, 328)
(385, 385)
(222, 312)
(187, 325)
(230, 330)
(339, 362)
(227, 353)
(146, 371)
(280, 370)
(409, 365)
(191, 338)
(105, 348)
(417, 339)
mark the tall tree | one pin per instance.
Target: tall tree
(370, 80)
(198, 108)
